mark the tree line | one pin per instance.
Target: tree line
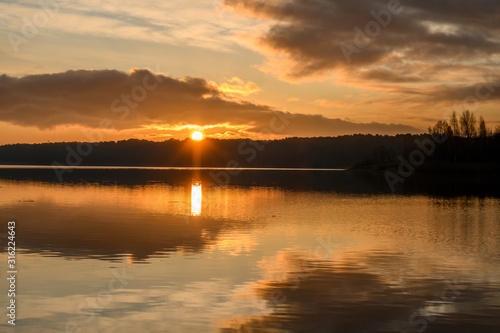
(320, 152)
(465, 125)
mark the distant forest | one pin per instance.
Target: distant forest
(481, 154)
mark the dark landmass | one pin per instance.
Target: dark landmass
(431, 154)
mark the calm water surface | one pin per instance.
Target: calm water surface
(184, 255)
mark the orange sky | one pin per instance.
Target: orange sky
(242, 68)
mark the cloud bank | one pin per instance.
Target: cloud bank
(155, 103)
(382, 41)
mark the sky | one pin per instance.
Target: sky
(112, 70)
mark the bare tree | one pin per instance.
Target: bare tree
(497, 130)
(441, 128)
(455, 126)
(468, 124)
(482, 128)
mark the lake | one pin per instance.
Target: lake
(275, 251)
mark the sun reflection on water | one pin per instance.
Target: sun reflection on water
(196, 199)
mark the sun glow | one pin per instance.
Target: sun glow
(197, 136)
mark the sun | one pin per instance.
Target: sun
(197, 136)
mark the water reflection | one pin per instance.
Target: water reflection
(196, 195)
(247, 257)
(369, 292)
(337, 181)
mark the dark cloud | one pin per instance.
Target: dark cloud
(84, 97)
(306, 37)
(318, 125)
(142, 98)
(485, 89)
